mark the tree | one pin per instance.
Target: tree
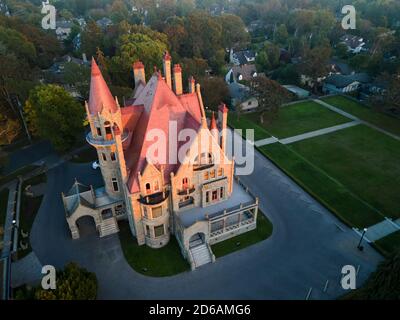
(270, 95)
(137, 46)
(383, 284)
(91, 38)
(73, 283)
(281, 35)
(10, 129)
(268, 57)
(234, 31)
(214, 91)
(77, 76)
(315, 63)
(53, 114)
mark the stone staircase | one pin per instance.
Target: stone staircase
(201, 255)
(108, 226)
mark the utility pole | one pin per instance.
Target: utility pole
(17, 104)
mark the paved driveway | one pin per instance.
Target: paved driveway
(308, 247)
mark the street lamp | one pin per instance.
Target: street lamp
(360, 247)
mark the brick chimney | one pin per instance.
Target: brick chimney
(167, 69)
(138, 72)
(192, 84)
(178, 79)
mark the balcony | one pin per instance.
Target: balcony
(108, 141)
(186, 191)
(154, 198)
(205, 166)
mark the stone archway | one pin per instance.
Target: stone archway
(86, 226)
(197, 239)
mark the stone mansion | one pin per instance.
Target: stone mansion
(198, 200)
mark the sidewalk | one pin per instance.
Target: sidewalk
(8, 227)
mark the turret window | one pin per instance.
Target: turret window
(115, 184)
(98, 131)
(148, 188)
(112, 155)
(159, 231)
(104, 157)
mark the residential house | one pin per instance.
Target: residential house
(63, 29)
(245, 72)
(354, 44)
(338, 83)
(242, 57)
(241, 97)
(104, 23)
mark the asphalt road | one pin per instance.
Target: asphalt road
(308, 247)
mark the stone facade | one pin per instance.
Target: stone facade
(197, 198)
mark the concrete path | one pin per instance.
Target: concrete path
(8, 227)
(264, 142)
(317, 133)
(382, 229)
(26, 271)
(350, 116)
(308, 247)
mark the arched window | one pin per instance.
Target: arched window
(112, 155)
(115, 184)
(185, 182)
(148, 187)
(104, 156)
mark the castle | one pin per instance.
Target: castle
(196, 198)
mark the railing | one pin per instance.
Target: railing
(106, 141)
(199, 167)
(186, 203)
(186, 191)
(231, 227)
(155, 198)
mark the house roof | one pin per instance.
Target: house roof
(155, 106)
(100, 96)
(341, 81)
(247, 71)
(245, 56)
(352, 41)
(239, 91)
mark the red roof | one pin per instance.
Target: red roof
(223, 108)
(138, 65)
(100, 96)
(213, 124)
(159, 106)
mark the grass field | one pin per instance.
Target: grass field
(263, 231)
(364, 160)
(367, 114)
(29, 208)
(292, 120)
(389, 244)
(162, 262)
(334, 195)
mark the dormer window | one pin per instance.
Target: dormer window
(148, 188)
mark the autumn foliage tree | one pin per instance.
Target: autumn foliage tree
(270, 95)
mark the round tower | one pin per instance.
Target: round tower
(106, 135)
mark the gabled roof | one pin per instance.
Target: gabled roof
(159, 106)
(100, 96)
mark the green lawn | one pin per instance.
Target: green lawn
(364, 160)
(85, 156)
(365, 113)
(29, 208)
(292, 120)
(389, 244)
(166, 261)
(330, 192)
(262, 232)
